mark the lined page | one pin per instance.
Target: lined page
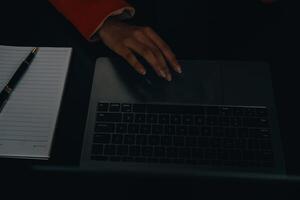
(27, 122)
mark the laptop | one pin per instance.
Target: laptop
(216, 118)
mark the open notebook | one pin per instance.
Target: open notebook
(28, 120)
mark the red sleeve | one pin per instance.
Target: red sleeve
(88, 15)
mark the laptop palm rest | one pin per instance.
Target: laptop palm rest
(200, 83)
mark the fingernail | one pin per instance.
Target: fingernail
(143, 72)
(169, 78)
(178, 69)
(163, 74)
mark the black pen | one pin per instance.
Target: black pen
(5, 93)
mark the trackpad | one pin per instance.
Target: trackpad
(200, 83)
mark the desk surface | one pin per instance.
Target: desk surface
(271, 39)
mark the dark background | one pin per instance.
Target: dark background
(232, 29)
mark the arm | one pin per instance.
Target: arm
(89, 15)
(91, 18)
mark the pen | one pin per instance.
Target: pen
(5, 93)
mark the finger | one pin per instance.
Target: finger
(148, 42)
(147, 54)
(166, 50)
(128, 55)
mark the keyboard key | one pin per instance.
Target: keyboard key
(235, 154)
(109, 117)
(215, 142)
(121, 128)
(226, 111)
(102, 107)
(175, 119)
(210, 154)
(166, 140)
(114, 107)
(151, 118)
(126, 107)
(147, 150)
(235, 122)
(228, 143)
(105, 128)
(206, 131)
(134, 150)
(178, 141)
(102, 138)
(253, 144)
(141, 139)
(238, 111)
(203, 142)
(264, 133)
(163, 119)
(266, 144)
(184, 152)
(170, 130)
(193, 130)
(256, 122)
(248, 155)
(133, 128)
(157, 129)
(224, 121)
(240, 143)
(140, 118)
(187, 119)
(154, 140)
(191, 141)
(242, 132)
(109, 149)
(197, 153)
(261, 112)
(117, 139)
(181, 130)
(129, 139)
(171, 152)
(145, 129)
(97, 149)
(249, 112)
(212, 121)
(122, 150)
(223, 154)
(266, 155)
(159, 151)
(230, 132)
(128, 117)
(218, 131)
(199, 120)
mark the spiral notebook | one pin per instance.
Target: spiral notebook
(28, 120)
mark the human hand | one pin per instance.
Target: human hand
(124, 39)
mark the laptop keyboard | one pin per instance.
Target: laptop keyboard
(183, 134)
